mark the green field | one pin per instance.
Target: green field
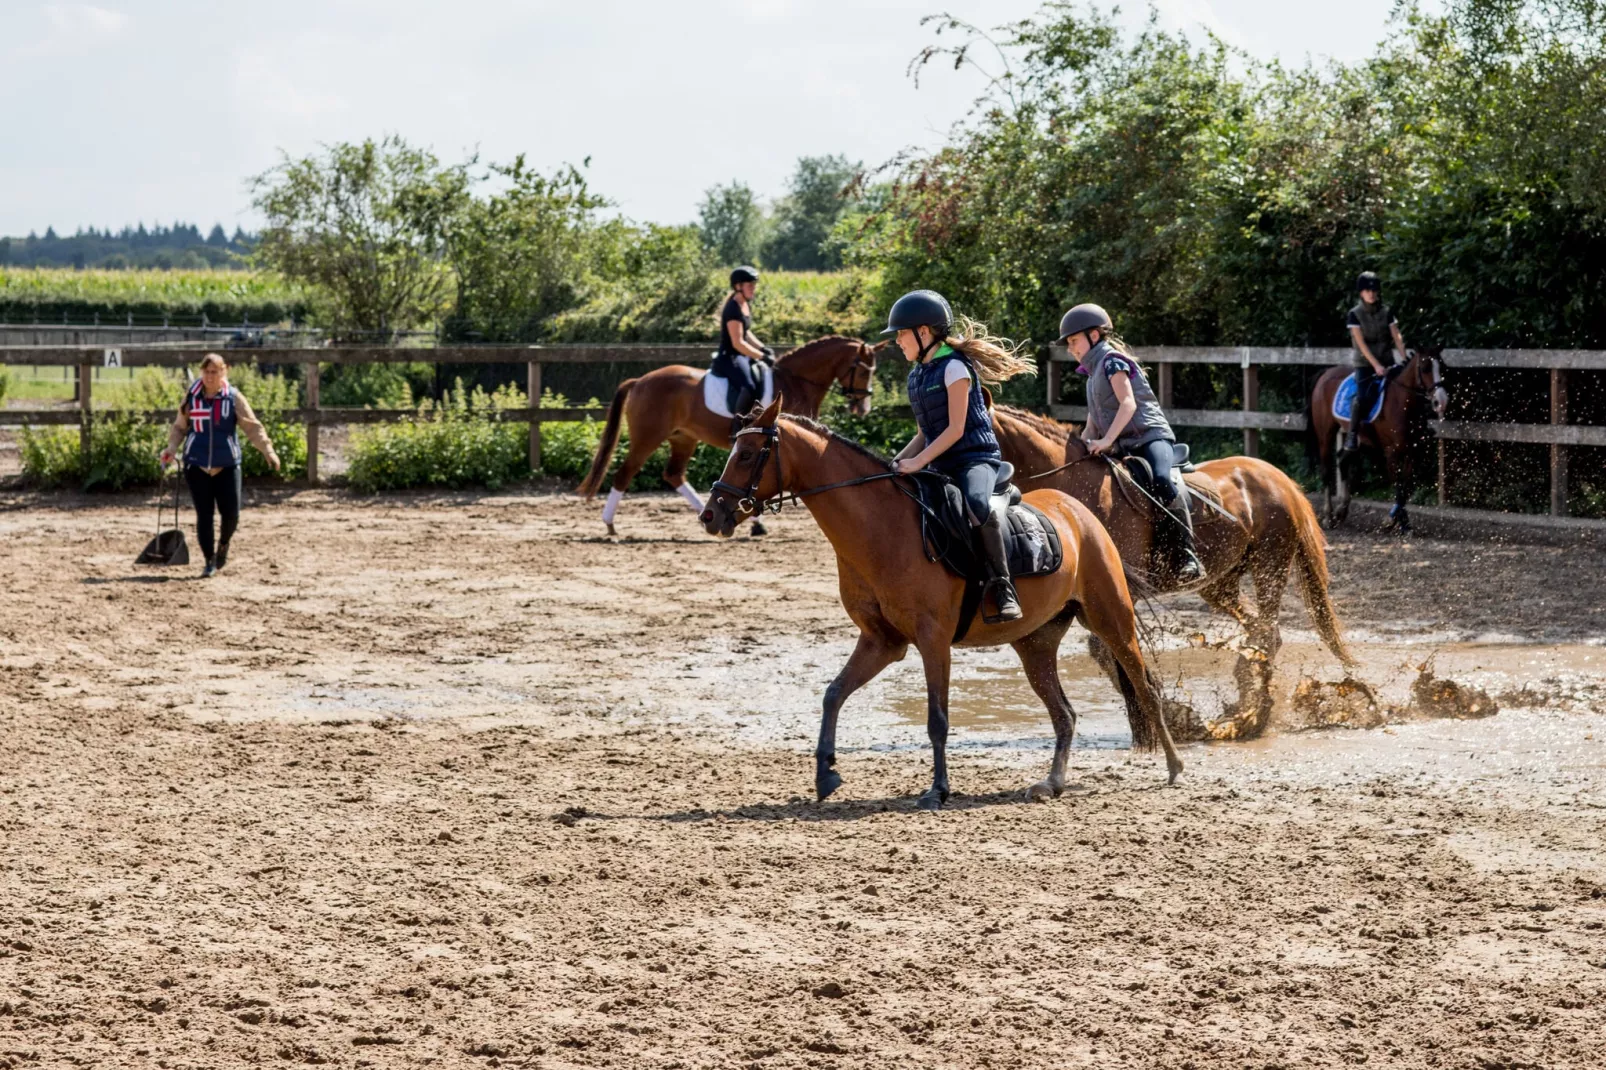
(49, 294)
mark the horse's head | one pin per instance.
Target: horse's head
(1427, 369)
(752, 474)
(857, 379)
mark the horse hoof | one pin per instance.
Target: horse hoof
(758, 530)
(933, 799)
(611, 532)
(1041, 792)
(825, 786)
(1172, 769)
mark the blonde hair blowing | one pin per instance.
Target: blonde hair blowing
(996, 359)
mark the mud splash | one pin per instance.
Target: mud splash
(1352, 703)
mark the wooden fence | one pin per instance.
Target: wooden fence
(1558, 434)
(314, 415)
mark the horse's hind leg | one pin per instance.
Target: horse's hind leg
(1039, 656)
(1110, 617)
(938, 659)
(681, 448)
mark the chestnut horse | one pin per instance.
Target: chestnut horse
(1264, 526)
(1414, 389)
(897, 596)
(667, 404)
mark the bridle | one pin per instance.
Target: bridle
(851, 390)
(1435, 386)
(747, 499)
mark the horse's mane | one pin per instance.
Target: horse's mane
(808, 348)
(1044, 425)
(817, 426)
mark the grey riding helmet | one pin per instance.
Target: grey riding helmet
(1368, 280)
(920, 308)
(1085, 317)
(743, 274)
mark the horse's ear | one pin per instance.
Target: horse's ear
(873, 350)
(768, 417)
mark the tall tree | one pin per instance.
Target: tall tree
(818, 194)
(731, 223)
(367, 224)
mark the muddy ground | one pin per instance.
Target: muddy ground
(451, 781)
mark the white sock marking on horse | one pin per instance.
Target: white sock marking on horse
(611, 506)
(687, 491)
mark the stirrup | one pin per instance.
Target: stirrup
(1003, 586)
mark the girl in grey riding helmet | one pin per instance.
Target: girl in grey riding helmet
(955, 431)
(1124, 417)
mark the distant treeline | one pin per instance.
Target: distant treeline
(180, 246)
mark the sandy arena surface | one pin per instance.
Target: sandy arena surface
(450, 781)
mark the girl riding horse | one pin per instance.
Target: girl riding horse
(1123, 415)
(955, 432)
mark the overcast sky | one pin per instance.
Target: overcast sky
(155, 110)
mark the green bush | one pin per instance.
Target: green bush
(5, 381)
(123, 447)
(460, 442)
(378, 386)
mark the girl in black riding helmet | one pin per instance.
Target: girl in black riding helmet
(739, 347)
(955, 435)
(1125, 417)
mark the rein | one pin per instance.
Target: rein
(747, 498)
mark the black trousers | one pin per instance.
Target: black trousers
(221, 492)
(1366, 387)
(975, 480)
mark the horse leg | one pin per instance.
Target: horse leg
(1253, 669)
(1345, 469)
(935, 653)
(1039, 656)
(640, 450)
(870, 655)
(1224, 594)
(681, 447)
(1112, 620)
(1401, 475)
(1329, 469)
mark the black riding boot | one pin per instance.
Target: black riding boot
(1185, 561)
(991, 537)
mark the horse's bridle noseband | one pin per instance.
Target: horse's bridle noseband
(746, 497)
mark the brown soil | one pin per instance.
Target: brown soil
(451, 781)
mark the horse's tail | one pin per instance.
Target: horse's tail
(610, 441)
(1310, 559)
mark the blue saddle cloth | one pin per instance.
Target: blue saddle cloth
(1344, 398)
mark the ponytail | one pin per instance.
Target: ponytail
(996, 359)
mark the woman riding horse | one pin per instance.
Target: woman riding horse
(955, 433)
(1124, 415)
(739, 347)
(1373, 333)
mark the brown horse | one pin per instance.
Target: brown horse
(1264, 526)
(897, 596)
(1415, 389)
(666, 404)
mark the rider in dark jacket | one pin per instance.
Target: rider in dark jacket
(1375, 337)
(1124, 417)
(955, 435)
(739, 348)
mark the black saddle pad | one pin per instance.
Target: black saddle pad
(1030, 540)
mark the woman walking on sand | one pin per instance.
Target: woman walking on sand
(205, 427)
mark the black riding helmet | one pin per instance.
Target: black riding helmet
(920, 308)
(1368, 280)
(1085, 317)
(743, 274)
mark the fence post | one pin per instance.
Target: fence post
(1558, 452)
(85, 377)
(1055, 369)
(534, 394)
(312, 424)
(1251, 404)
(1167, 385)
(1443, 481)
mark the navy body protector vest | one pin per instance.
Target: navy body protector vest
(928, 396)
(211, 442)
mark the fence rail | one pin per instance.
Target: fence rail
(178, 355)
(1558, 434)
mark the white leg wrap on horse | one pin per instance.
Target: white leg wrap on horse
(685, 490)
(611, 506)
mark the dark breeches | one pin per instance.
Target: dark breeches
(1161, 455)
(1366, 387)
(221, 491)
(975, 480)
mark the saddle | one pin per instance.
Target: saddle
(1031, 542)
(1344, 396)
(716, 386)
(1139, 466)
